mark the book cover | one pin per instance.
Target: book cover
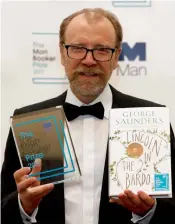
(139, 151)
(45, 134)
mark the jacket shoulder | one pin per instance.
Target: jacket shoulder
(57, 101)
(124, 100)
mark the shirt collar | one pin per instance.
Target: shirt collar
(105, 98)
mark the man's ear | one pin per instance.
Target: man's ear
(62, 54)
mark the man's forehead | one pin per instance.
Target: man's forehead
(90, 23)
(88, 18)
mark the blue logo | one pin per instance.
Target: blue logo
(161, 182)
(131, 3)
(132, 60)
(47, 126)
(131, 53)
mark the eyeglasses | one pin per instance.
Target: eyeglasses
(99, 54)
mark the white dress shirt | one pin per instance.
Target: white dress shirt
(90, 137)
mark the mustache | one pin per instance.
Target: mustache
(94, 70)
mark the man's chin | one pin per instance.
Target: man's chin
(88, 90)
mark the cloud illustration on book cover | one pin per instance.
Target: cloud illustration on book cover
(145, 152)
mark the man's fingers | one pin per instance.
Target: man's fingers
(135, 200)
(125, 201)
(36, 169)
(40, 190)
(139, 203)
(43, 194)
(23, 185)
(135, 208)
(37, 166)
(115, 200)
(149, 201)
(20, 174)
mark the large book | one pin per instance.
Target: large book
(140, 151)
(45, 134)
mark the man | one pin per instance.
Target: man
(90, 43)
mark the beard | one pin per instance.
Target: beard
(92, 86)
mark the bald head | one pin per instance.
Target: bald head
(94, 28)
(92, 16)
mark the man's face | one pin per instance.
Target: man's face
(87, 76)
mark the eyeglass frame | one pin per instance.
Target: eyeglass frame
(91, 50)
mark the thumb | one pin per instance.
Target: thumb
(36, 169)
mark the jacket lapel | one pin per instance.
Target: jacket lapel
(103, 210)
(54, 202)
(107, 211)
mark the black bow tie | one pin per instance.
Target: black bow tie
(73, 111)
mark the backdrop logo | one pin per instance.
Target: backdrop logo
(46, 66)
(131, 53)
(133, 59)
(131, 3)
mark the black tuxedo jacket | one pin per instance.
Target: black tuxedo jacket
(51, 208)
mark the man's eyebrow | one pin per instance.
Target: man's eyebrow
(77, 44)
(95, 46)
(102, 46)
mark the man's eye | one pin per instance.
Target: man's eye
(103, 50)
(77, 49)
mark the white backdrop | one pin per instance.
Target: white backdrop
(30, 30)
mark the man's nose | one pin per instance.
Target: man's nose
(89, 59)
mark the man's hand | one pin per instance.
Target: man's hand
(139, 204)
(29, 188)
